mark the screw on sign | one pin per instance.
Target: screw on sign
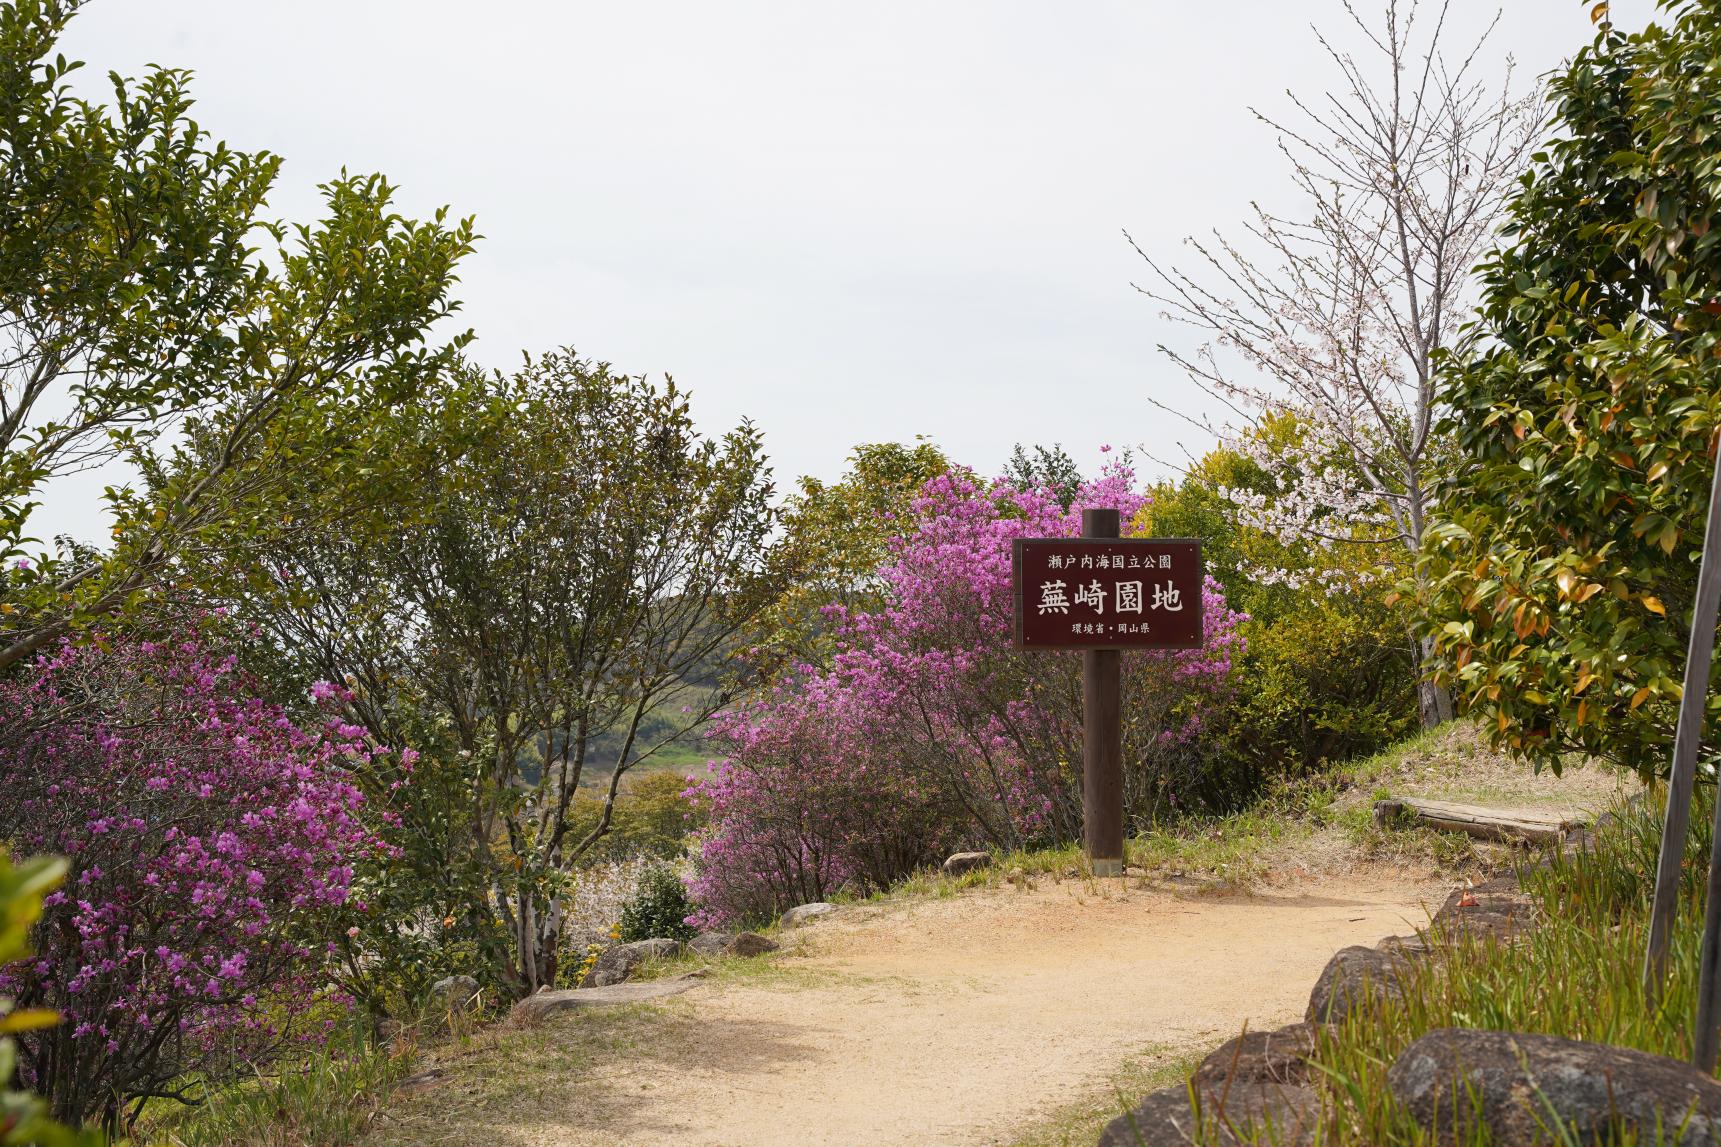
(1101, 594)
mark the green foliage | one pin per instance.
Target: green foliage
(659, 907)
(1324, 676)
(835, 538)
(545, 565)
(24, 1118)
(653, 816)
(1563, 566)
(1046, 469)
(142, 289)
(1329, 683)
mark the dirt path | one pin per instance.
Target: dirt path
(958, 1021)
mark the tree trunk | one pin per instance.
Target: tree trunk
(1433, 701)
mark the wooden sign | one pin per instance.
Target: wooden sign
(1100, 593)
(1108, 593)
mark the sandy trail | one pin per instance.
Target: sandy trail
(963, 1021)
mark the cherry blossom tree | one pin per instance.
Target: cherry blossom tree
(1332, 321)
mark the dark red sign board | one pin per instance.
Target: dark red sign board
(1108, 593)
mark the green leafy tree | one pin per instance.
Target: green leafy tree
(1045, 469)
(654, 816)
(142, 291)
(836, 537)
(548, 559)
(1564, 560)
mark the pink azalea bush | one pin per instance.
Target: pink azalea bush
(206, 832)
(929, 732)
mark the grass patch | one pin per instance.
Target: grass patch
(1578, 975)
(328, 1097)
(517, 1070)
(1079, 1123)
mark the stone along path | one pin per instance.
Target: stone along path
(952, 1021)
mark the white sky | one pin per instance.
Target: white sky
(849, 222)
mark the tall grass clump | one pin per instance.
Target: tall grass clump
(1577, 974)
(326, 1097)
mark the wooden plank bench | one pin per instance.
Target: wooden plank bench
(1539, 826)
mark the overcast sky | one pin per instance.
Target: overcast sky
(848, 222)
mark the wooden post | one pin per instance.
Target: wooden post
(1687, 740)
(1692, 703)
(1102, 737)
(1707, 1039)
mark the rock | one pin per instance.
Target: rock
(711, 943)
(454, 993)
(1406, 945)
(1276, 1057)
(1517, 1084)
(962, 862)
(797, 916)
(1165, 1119)
(1496, 909)
(620, 961)
(749, 944)
(1353, 975)
(731, 944)
(536, 1007)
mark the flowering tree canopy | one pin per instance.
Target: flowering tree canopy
(1333, 320)
(205, 830)
(929, 730)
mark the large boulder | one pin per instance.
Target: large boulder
(1244, 1113)
(961, 862)
(1518, 1085)
(619, 962)
(1354, 975)
(546, 1003)
(1266, 1057)
(797, 916)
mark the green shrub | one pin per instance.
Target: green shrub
(1563, 560)
(1324, 677)
(659, 907)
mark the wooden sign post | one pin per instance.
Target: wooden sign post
(1103, 594)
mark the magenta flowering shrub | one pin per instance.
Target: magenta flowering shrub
(206, 832)
(929, 731)
(804, 804)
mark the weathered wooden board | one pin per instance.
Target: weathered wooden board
(1539, 826)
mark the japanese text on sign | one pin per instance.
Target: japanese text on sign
(1108, 593)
